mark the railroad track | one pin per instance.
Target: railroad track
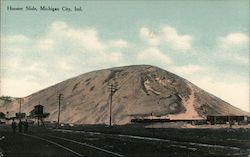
(191, 146)
(77, 148)
(72, 143)
(187, 145)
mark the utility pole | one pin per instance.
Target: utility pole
(113, 89)
(60, 96)
(20, 99)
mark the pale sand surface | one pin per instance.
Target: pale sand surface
(142, 90)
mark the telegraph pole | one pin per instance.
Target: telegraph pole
(60, 96)
(113, 89)
(20, 99)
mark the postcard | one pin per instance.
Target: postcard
(124, 78)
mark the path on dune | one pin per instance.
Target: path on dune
(190, 112)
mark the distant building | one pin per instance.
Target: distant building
(38, 113)
(38, 110)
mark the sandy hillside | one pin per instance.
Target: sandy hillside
(141, 90)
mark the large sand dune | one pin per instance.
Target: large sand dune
(142, 90)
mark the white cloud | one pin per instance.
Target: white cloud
(12, 63)
(233, 57)
(58, 26)
(232, 40)
(15, 50)
(63, 49)
(65, 66)
(87, 38)
(154, 56)
(167, 35)
(45, 44)
(149, 36)
(15, 44)
(119, 43)
(14, 39)
(188, 69)
(175, 40)
(233, 48)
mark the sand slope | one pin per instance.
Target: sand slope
(141, 90)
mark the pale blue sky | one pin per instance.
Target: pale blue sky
(206, 42)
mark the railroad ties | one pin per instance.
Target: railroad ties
(77, 148)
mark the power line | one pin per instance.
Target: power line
(113, 88)
(20, 104)
(60, 97)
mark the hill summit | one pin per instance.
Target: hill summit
(141, 91)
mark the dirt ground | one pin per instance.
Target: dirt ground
(124, 141)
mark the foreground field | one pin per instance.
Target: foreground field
(127, 141)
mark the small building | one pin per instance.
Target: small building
(38, 109)
(37, 113)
